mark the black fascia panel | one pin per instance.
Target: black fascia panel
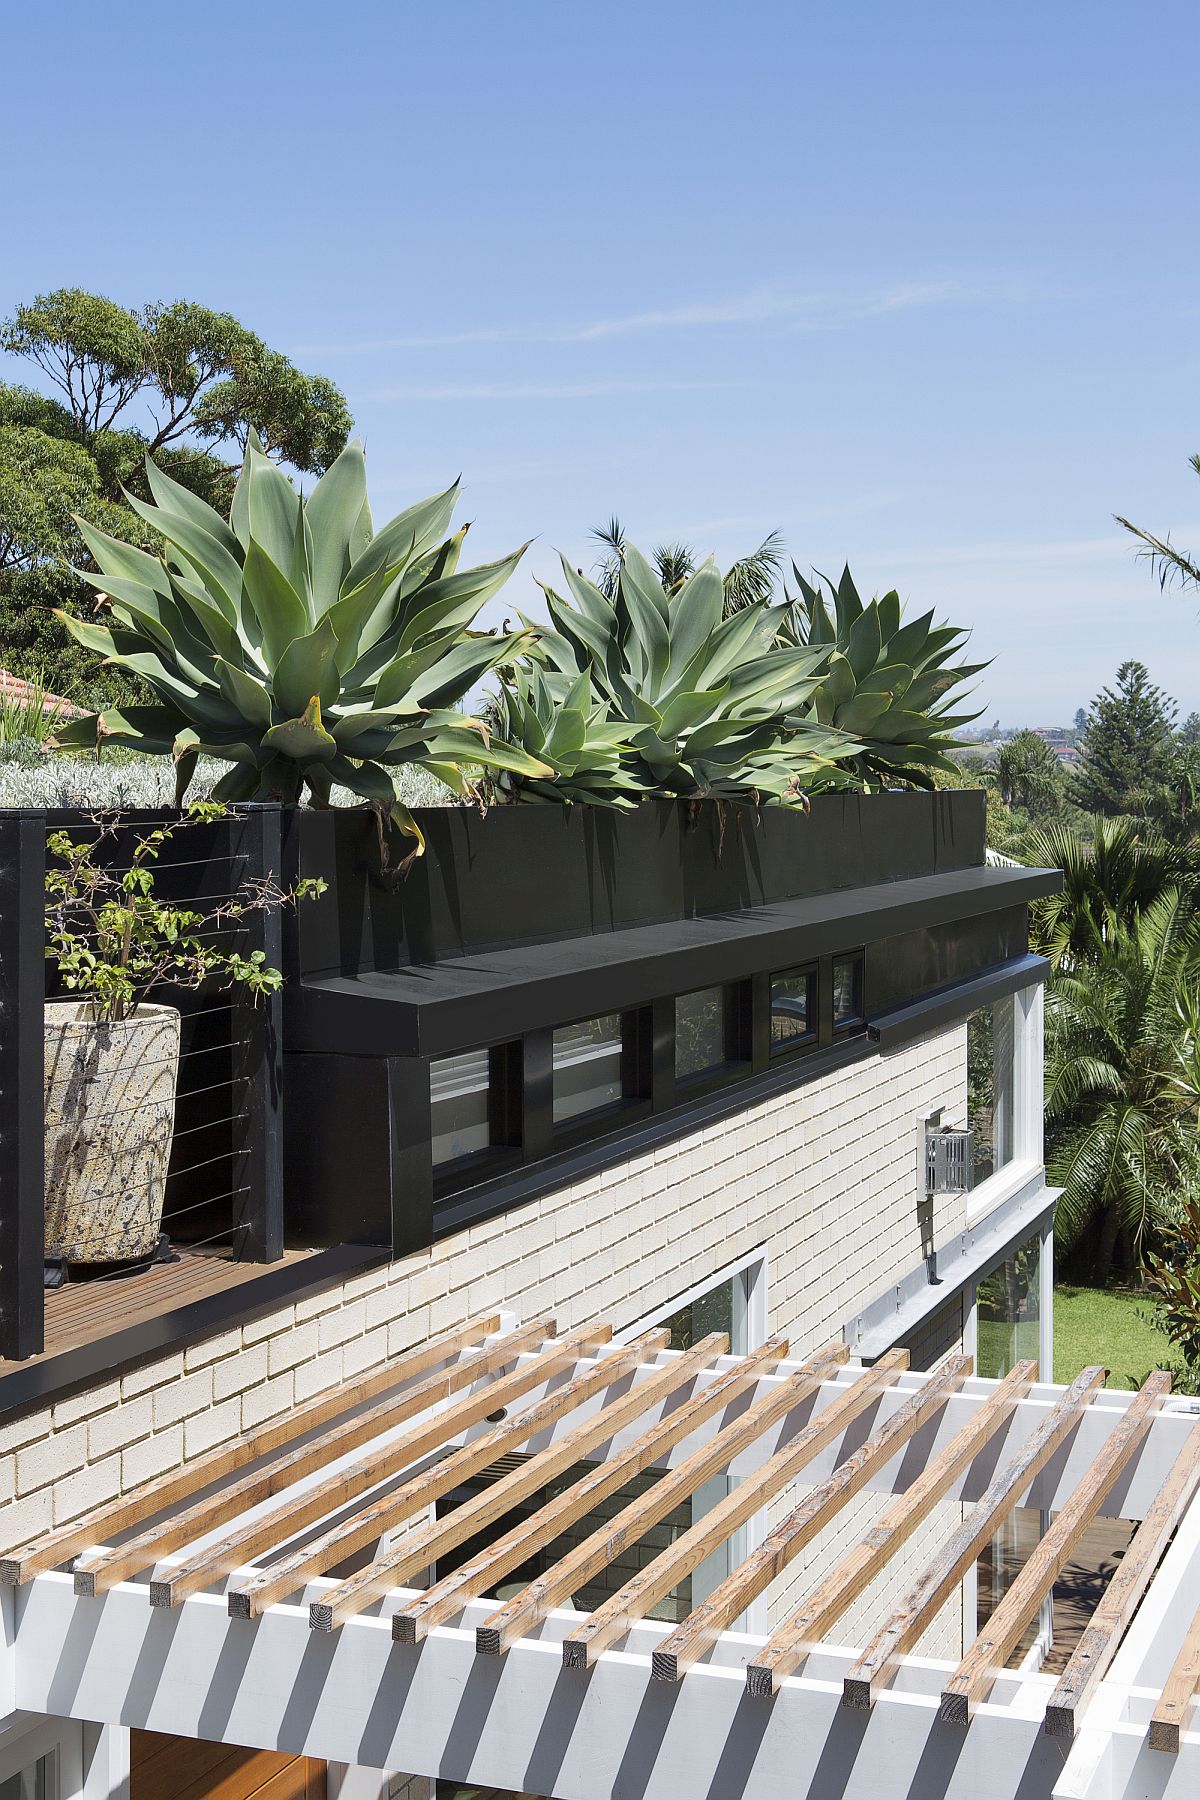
(945, 1006)
(439, 1008)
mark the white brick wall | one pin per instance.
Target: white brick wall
(825, 1179)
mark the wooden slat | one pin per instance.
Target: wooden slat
(879, 1661)
(623, 1609)
(1170, 1714)
(98, 1570)
(825, 1604)
(253, 1594)
(131, 1509)
(1106, 1627)
(243, 1542)
(987, 1656)
(518, 1617)
(422, 1547)
(446, 1597)
(743, 1585)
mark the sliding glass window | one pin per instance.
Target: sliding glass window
(991, 1034)
(589, 1062)
(793, 1009)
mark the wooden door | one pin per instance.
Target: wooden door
(172, 1768)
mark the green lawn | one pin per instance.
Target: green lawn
(1096, 1325)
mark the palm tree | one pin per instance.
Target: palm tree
(1169, 563)
(1121, 1132)
(1107, 884)
(1026, 773)
(749, 579)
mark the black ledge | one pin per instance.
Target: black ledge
(946, 1004)
(46, 1379)
(437, 1008)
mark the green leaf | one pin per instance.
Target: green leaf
(274, 504)
(304, 739)
(279, 609)
(695, 614)
(409, 534)
(243, 691)
(307, 668)
(173, 498)
(219, 571)
(332, 510)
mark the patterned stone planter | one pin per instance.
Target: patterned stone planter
(110, 1113)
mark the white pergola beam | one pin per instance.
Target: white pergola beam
(438, 1708)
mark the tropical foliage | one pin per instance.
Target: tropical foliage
(296, 643)
(653, 690)
(883, 680)
(1109, 881)
(752, 577)
(1122, 1132)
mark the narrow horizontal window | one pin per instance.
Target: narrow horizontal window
(701, 1035)
(793, 1008)
(847, 991)
(588, 1067)
(461, 1109)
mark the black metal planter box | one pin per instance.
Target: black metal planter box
(541, 874)
(520, 920)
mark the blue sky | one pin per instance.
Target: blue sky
(915, 284)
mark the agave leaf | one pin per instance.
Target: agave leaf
(332, 511)
(114, 558)
(409, 534)
(303, 739)
(170, 497)
(306, 669)
(282, 613)
(274, 504)
(240, 783)
(849, 606)
(456, 599)
(365, 778)
(218, 570)
(864, 643)
(695, 614)
(243, 691)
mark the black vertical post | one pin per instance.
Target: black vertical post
(22, 1107)
(662, 1053)
(537, 1121)
(258, 1062)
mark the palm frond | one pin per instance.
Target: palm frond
(752, 578)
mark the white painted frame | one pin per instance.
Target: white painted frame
(1028, 1083)
(750, 1313)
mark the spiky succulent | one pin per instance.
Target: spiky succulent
(297, 643)
(882, 680)
(558, 718)
(701, 705)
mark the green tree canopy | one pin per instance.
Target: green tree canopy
(1027, 774)
(181, 381)
(1126, 743)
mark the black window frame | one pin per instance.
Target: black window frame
(505, 1150)
(858, 1023)
(811, 1036)
(636, 1082)
(738, 1028)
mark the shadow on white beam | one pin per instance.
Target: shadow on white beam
(517, 1722)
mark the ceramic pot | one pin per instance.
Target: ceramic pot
(110, 1114)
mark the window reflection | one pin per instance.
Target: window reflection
(991, 1037)
(793, 1008)
(587, 1067)
(847, 991)
(460, 1112)
(699, 1033)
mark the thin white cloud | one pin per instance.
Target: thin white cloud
(564, 390)
(782, 305)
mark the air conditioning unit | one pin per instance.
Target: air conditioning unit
(949, 1161)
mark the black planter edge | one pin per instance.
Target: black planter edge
(52, 1378)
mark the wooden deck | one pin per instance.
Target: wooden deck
(84, 1311)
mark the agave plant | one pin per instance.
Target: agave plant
(296, 643)
(557, 717)
(701, 705)
(882, 680)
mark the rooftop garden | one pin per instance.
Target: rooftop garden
(292, 651)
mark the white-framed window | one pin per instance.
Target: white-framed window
(1004, 1096)
(733, 1299)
